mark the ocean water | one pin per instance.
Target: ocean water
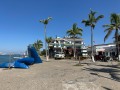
(8, 58)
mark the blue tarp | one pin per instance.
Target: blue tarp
(24, 62)
(6, 65)
(27, 61)
(20, 63)
(14, 64)
(33, 54)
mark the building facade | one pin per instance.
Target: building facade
(66, 45)
(104, 49)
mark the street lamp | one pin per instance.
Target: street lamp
(45, 22)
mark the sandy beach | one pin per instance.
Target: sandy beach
(62, 75)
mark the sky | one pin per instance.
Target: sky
(20, 26)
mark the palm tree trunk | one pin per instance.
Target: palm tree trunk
(74, 47)
(92, 57)
(48, 50)
(118, 46)
(45, 43)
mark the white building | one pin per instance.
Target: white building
(67, 43)
(104, 49)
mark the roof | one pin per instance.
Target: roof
(104, 44)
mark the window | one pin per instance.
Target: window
(78, 42)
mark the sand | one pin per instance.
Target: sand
(62, 75)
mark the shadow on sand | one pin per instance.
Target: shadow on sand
(106, 88)
(113, 70)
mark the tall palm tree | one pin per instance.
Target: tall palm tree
(92, 20)
(38, 45)
(114, 25)
(48, 40)
(74, 32)
(45, 22)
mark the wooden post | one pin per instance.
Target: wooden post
(79, 60)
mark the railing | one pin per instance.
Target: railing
(62, 44)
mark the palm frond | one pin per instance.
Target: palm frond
(99, 17)
(45, 21)
(74, 26)
(38, 45)
(80, 33)
(114, 25)
(69, 31)
(42, 21)
(92, 12)
(107, 25)
(49, 18)
(108, 29)
(84, 21)
(74, 31)
(92, 20)
(113, 18)
(49, 39)
(87, 23)
(92, 16)
(80, 29)
(107, 35)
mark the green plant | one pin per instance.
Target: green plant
(48, 40)
(45, 22)
(74, 32)
(92, 20)
(114, 25)
(38, 45)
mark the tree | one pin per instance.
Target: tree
(92, 20)
(43, 52)
(48, 40)
(74, 32)
(114, 25)
(45, 22)
(38, 45)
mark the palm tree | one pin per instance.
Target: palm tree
(48, 40)
(45, 22)
(114, 25)
(74, 32)
(92, 20)
(38, 45)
